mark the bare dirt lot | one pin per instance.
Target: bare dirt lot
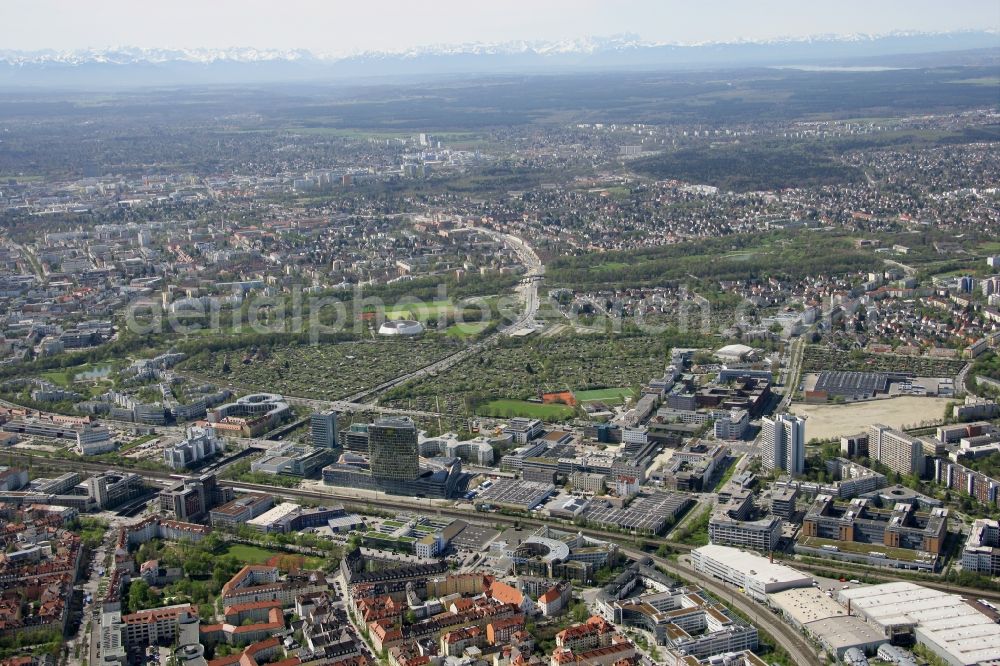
(829, 421)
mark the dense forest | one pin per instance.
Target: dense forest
(744, 169)
(744, 257)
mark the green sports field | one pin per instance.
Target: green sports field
(604, 395)
(531, 410)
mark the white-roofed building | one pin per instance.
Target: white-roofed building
(759, 576)
(736, 352)
(827, 621)
(273, 520)
(954, 629)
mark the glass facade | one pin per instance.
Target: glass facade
(392, 449)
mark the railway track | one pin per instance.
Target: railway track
(794, 643)
(355, 502)
(629, 544)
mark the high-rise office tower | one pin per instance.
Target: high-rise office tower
(392, 449)
(323, 429)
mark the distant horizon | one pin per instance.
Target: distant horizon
(582, 41)
(143, 66)
(393, 26)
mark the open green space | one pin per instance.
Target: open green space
(534, 410)
(347, 133)
(422, 311)
(86, 372)
(774, 254)
(724, 478)
(987, 366)
(59, 377)
(91, 530)
(693, 531)
(250, 554)
(604, 395)
(467, 330)
(992, 81)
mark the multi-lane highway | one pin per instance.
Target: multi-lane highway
(791, 641)
(363, 401)
(534, 269)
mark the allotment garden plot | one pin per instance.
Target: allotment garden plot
(323, 371)
(518, 370)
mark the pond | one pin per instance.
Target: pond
(96, 372)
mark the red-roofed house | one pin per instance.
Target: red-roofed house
(555, 598)
(507, 594)
(619, 651)
(500, 632)
(454, 643)
(595, 632)
(253, 655)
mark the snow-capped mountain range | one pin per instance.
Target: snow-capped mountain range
(131, 55)
(240, 64)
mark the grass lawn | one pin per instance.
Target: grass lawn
(604, 395)
(251, 554)
(533, 410)
(257, 555)
(421, 311)
(466, 330)
(59, 377)
(312, 562)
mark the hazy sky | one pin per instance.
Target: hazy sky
(340, 26)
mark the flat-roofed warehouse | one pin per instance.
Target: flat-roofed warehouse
(472, 536)
(949, 626)
(852, 385)
(757, 575)
(827, 621)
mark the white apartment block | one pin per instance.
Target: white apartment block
(896, 450)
